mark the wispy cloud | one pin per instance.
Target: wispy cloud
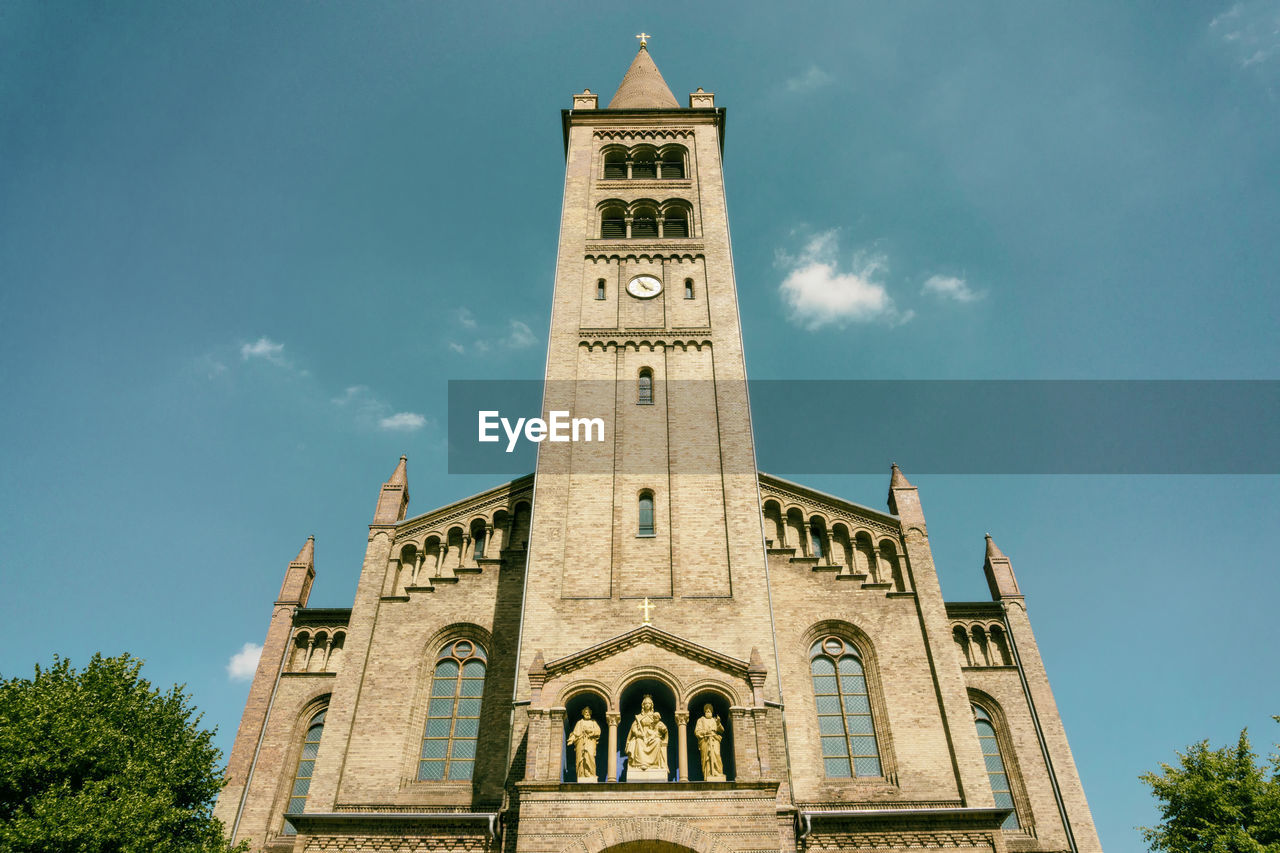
(368, 409)
(811, 78)
(244, 663)
(818, 293)
(1251, 30)
(465, 318)
(263, 348)
(403, 422)
(952, 288)
(520, 336)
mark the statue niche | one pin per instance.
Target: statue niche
(710, 732)
(647, 745)
(584, 739)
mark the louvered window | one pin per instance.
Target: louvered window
(306, 769)
(675, 226)
(615, 168)
(672, 169)
(453, 714)
(613, 227)
(996, 772)
(644, 168)
(845, 726)
(644, 226)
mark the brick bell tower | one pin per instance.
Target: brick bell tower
(647, 572)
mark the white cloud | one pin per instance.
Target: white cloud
(521, 336)
(1251, 30)
(457, 347)
(403, 421)
(950, 287)
(818, 294)
(263, 348)
(244, 663)
(812, 78)
(465, 318)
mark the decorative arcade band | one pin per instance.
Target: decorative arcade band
(646, 745)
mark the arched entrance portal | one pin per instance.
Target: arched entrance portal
(649, 847)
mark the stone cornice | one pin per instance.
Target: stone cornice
(652, 636)
(836, 506)
(504, 494)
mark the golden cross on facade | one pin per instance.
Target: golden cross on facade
(644, 40)
(646, 607)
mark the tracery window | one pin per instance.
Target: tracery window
(996, 772)
(453, 714)
(305, 770)
(845, 724)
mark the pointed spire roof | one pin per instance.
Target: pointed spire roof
(642, 87)
(400, 476)
(307, 556)
(898, 480)
(993, 550)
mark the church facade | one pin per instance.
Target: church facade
(648, 644)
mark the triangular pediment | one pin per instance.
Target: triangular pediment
(648, 635)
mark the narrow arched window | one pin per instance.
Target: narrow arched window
(996, 773)
(453, 714)
(816, 537)
(305, 770)
(645, 527)
(644, 388)
(688, 288)
(477, 540)
(600, 289)
(845, 725)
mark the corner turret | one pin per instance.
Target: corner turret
(296, 588)
(999, 573)
(393, 500)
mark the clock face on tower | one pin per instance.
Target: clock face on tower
(644, 287)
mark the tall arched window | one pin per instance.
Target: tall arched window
(844, 710)
(615, 166)
(306, 768)
(613, 223)
(645, 527)
(644, 388)
(817, 539)
(996, 773)
(453, 714)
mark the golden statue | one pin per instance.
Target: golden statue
(585, 736)
(647, 744)
(709, 733)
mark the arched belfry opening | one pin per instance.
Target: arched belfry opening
(697, 712)
(664, 704)
(595, 704)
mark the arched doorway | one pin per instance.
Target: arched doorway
(649, 847)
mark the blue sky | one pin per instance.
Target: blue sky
(243, 247)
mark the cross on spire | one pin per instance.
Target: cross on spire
(646, 607)
(644, 38)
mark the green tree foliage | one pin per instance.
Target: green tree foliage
(100, 762)
(1217, 801)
